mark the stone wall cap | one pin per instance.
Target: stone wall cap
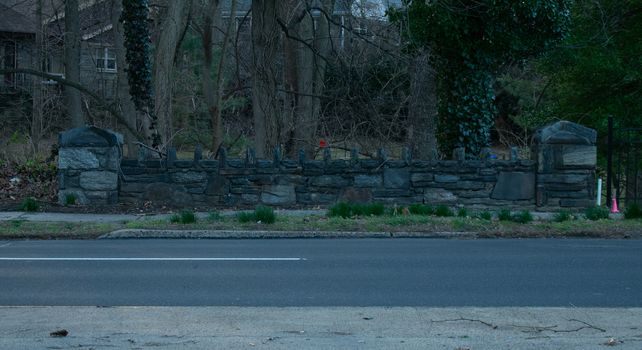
(565, 132)
(89, 136)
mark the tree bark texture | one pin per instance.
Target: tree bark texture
(307, 46)
(123, 98)
(73, 101)
(171, 30)
(37, 118)
(213, 88)
(422, 109)
(265, 43)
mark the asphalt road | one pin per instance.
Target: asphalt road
(323, 272)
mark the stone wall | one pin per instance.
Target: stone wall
(88, 165)
(561, 174)
(566, 155)
(312, 182)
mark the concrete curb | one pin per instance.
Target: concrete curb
(232, 234)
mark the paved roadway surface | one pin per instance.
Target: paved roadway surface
(323, 272)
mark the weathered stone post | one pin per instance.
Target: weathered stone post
(88, 163)
(566, 159)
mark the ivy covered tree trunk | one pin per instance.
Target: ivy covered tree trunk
(139, 73)
(123, 98)
(466, 108)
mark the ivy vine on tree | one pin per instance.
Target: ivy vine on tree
(470, 41)
(139, 72)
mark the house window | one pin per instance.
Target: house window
(105, 59)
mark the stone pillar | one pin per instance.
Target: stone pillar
(566, 158)
(88, 163)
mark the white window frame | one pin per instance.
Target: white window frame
(102, 53)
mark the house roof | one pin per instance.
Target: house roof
(13, 21)
(19, 16)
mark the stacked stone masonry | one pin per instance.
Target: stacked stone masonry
(88, 166)
(562, 174)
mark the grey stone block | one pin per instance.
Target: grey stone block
(133, 187)
(576, 203)
(278, 195)
(90, 136)
(102, 197)
(438, 195)
(218, 185)
(396, 178)
(249, 198)
(446, 178)
(99, 180)
(367, 181)
(189, 176)
(111, 159)
(245, 189)
(421, 179)
(175, 195)
(514, 186)
(261, 179)
(392, 193)
(78, 194)
(562, 178)
(461, 185)
(77, 158)
(356, 195)
(329, 181)
(579, 156)
(322, 198)
(565, 132)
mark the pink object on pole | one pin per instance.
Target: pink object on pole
(614, 208)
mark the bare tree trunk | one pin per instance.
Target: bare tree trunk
(72, 62)
(37, 122)
(171, 30)
(123, 98)
(212, 90)
(208, 82)
(422, 109)
(313, 48)
(265, 37)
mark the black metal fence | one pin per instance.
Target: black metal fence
(624, 163)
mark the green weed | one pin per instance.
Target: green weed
(596, 213)
(264, 214)
(29, 204)
(347, 210)
(562, 215)
(633, 211)
(443, 210)
(421, 209)
(504, 215)
(70, 199)
(523, 217)
(184, 217)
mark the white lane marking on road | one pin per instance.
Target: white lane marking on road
(5, 245)
(147, 259)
